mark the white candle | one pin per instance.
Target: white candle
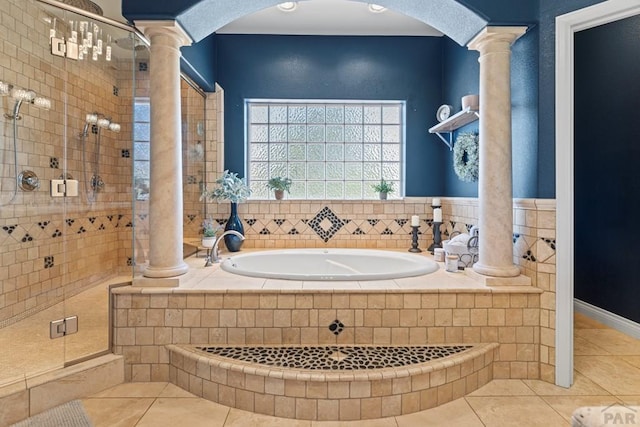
(415, 221)
(436, 202)
(437, 215)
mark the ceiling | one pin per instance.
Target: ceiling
(313, 17)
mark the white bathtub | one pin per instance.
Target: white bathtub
(329, 264)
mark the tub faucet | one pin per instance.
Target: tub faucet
(214, 253)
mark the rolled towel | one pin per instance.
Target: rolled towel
(462, 238)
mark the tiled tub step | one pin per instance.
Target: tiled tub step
(332, 383)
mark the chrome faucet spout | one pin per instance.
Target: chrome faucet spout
(215, 252)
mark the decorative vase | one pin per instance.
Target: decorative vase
(233, 243)
(383, 196)
(279, 194)
(208, 242)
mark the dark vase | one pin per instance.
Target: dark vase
(233, 243)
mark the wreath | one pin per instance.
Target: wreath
(466, 157)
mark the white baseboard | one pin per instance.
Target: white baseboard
(605, 317)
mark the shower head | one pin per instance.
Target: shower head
(100, 121)
(21, 96)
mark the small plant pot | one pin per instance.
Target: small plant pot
(383, 196)
(279, 194)
(208, 242)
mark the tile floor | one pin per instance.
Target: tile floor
(607, 365)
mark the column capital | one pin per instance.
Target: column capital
(164, 27)
(496, 37)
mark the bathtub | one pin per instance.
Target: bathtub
(329, 264)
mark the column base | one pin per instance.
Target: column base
(164, 272)
(492, 281)
(488, 270)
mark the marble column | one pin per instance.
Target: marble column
(495, 195)
(165, 198)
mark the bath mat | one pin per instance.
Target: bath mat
(71, 414)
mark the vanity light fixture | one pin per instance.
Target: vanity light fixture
(375, 8)
(288, 6)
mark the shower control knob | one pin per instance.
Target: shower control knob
(28, 181)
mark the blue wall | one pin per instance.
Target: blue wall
(607, 186)
(316, 67)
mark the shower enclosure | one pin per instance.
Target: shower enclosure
(74, 179)
(67, 86)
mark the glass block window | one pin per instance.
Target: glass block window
(141, 148)
(330, 149)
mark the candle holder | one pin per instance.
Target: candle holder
(437, 239)
(414, 239)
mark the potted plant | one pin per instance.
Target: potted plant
(279, 185)
(230, 187)
(209, 231)
(383, 188)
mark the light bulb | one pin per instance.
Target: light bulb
(288, 6)
(375, 8)
(92, 119)
(114, 127)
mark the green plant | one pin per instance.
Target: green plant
(279, 183)
(229, 187)
(384, 187)
(209, 228)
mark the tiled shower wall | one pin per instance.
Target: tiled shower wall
(51, 248)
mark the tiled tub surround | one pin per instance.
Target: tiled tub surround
(213, 307)
(331, 395)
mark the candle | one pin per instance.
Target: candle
(415, 221)
(437, 215)
(435, 201)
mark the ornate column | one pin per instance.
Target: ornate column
(165, 199)
(495, 195)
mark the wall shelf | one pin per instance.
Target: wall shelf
(454, 122)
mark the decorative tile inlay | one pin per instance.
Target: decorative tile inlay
(125, 153)
(9, 228)
(191, 179)
(48, 262)
(143, 66)
(358, 231)
(191, 217)
(326, 224)
(401, 222)
(331, 358)
(293, 231)
(265, 231)
(516, 236)
(529, 256)
(27, 238)
(56, 233)
(251, 221)
(43, 224)
(70, 222)
(116, 90)
(336, 327)
(54, 163)
(387, 232)
(550, 242)
(373, 222)
(279, 221)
